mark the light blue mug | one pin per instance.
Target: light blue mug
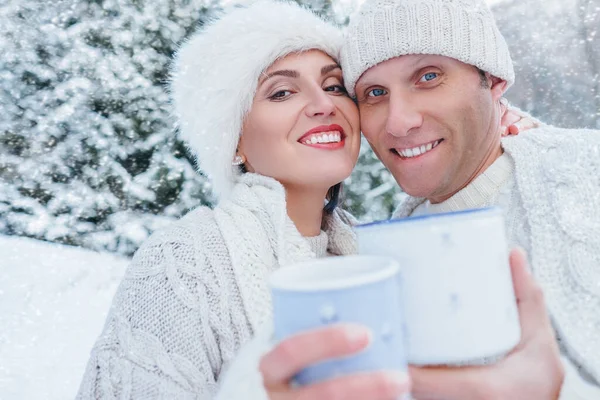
(351, 289)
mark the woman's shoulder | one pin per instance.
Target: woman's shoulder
(180, 247)
(186, 230)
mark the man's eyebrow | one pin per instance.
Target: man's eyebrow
(364, 83)
(418, 60)
(283, 72)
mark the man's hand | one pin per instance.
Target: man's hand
(295, 353)
(533, 370)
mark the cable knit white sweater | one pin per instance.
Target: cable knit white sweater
(548, 183)
(195, 292)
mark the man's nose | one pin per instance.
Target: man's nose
(403, 116)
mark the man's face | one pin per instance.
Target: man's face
(431, 121)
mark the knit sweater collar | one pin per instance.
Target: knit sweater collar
(261, 236)
(476, 194)
(318, 244)
(268, 201)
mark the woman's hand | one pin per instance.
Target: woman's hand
(297, 352)
(514, 121)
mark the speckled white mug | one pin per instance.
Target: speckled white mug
(458, 296)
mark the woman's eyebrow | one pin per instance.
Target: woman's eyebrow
(284, 72)
(328, 68)
(294, 74)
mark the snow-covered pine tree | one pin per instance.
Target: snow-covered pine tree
(87, 151)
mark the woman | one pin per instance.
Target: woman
(260, 101)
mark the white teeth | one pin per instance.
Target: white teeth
(417, 151)
(333, 137)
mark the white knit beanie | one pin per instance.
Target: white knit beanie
(461, 29)
(216, 71)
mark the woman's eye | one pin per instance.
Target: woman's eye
(280, 94)
(429, 77)
(376, 93)
(336, 89)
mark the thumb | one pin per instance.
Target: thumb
(530, 298)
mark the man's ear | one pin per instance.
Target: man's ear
(498, 88)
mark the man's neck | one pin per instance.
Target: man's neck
(485, 163)
(483, 191)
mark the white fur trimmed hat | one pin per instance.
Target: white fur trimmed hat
(216, 72)
(461, 29)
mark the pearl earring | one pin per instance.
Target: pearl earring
(238, 160)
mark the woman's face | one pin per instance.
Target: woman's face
(302, 129)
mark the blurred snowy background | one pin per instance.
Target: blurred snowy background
(88, 157)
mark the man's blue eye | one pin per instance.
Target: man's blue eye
(429, 76)
(376, 93)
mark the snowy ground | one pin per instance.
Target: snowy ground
(53, 301)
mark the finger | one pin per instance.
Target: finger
(510, 117)
(456, 383)
(297, 352)
(372, 386)
(523, 125)
(530, 298)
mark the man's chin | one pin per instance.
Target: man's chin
(413, 188)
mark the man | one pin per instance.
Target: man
(429, 77)
(430, 97)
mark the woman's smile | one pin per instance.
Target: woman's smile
(330, 137)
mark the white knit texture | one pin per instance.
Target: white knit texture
(216, 72)
(553, 211)
(195, 292)
(461, 29)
